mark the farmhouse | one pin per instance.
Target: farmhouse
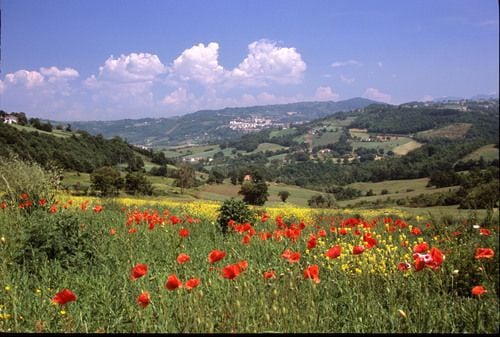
(10, 119)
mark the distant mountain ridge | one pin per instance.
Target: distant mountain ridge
(473, 98)
(205, 126)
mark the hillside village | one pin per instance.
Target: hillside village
(255, 124)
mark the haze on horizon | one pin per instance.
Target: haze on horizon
(107, 60)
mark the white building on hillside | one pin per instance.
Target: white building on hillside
(10, 119)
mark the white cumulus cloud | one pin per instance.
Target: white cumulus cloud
(135, 67)
(137, 84)
(377, 95)
(199, 63)
(55, 74)
(126, 82)
(29, 79)
(268, 63)
(177, 97)
(326, 94)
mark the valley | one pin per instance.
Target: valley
(364, 157)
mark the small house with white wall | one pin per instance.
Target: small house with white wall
(10, 119)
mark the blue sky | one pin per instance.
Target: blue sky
(113, 59)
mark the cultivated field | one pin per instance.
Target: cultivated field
(488, 152)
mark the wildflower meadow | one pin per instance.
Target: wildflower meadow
(129, 265)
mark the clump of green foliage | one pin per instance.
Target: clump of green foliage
(106, 181)
(22, 181)
(236, 210)
(59, 237)
(322, 201)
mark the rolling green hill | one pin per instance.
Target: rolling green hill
(208, 126)
(72, 151)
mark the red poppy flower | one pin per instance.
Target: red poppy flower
(265, 235)
(246, 239)
(84, 205)
(4, 205)
(143, 299)
(64, 296)
(322, 233)
(231, 271)
(183, 258)
(112, 231)
(478, 290)
(356, 250)
(98, 208)
(295, 257)
(269, 274)
(419, 262)
(311, 243)
(24, 196)
(312, 272)
(173, 283)
(333, 252)
(342, 231)
(132, 230)
(404, 266)
(432, 260)
(370, 242)
(139, 270)
(484, 253)
(184, 233)
(484, 231)
(53, 209)
(215, 255)
(302, 225)
(416, 231)
(292, 257)
(421, 248)
(192, 283)
(42, 202)
(286, 254)
(243, 265)
(437, 258)
(175, 220)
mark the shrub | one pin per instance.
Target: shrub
(254, 193)
(137, 183)
(236, 210)
(59, 237)
(283, 195)
(107, 180)
(24, 181)
(321, 201)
